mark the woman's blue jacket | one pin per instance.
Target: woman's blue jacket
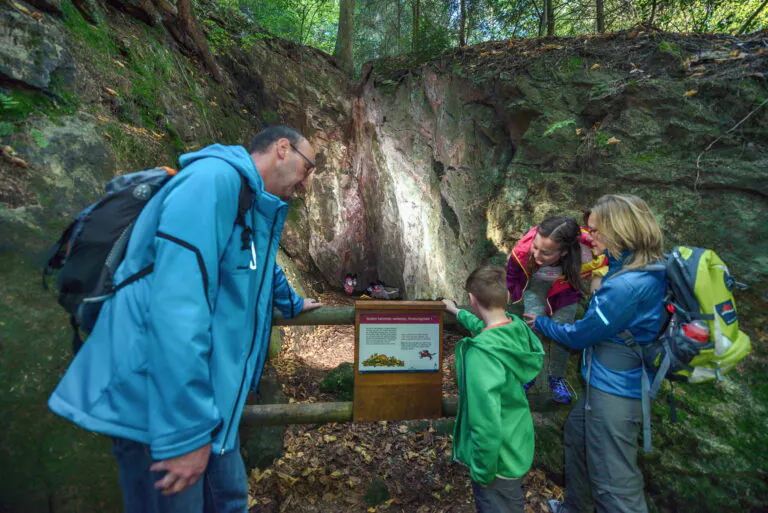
(630, 302)
(172, 356)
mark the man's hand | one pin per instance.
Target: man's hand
(182, 471)
(450, 306)
(530, 319)
(310, 304)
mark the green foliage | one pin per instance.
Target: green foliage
(558, 126)
(131, 152)
(6, 128)
(572, 64)
(385, 29)
(433, 38)
(702, 15)
(308, 22)
(39, 139)
(601, 138)
(269, 116)
(672, 49)
(17, 106)
(221, 40)
(96, 37)
(154, 71)
(8, 103)
(644, 158)
(67, 101)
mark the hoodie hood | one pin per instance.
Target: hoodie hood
(515, 346)
(236, 156)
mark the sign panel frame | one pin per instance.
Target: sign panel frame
(405, 329)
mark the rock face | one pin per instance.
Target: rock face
(32, 51)
(427, 169)
(459, 157)
(429, 160)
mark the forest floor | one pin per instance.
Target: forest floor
(365, 466)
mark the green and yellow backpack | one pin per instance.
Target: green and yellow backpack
(702, 340)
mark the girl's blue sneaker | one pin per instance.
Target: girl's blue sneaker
(559, 389)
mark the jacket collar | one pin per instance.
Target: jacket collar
(614, 264)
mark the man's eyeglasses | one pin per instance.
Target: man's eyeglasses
(311, 164)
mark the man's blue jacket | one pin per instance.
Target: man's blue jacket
(631, 301)
(172, 356)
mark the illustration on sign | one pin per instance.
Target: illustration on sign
(399, 342)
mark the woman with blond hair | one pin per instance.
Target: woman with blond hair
(601, 434)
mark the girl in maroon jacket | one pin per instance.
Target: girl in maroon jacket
(546, 270)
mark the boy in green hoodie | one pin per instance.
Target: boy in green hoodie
(493, 435)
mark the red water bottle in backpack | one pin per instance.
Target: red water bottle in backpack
(696, 330)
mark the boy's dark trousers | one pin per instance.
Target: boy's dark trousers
(501, 496)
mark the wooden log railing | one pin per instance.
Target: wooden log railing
(322, 413)
(325, 412)
(332, 315)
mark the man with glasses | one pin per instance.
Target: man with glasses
(168, 365)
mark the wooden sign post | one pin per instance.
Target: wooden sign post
(398, 360)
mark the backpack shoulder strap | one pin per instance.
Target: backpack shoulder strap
(244, 202)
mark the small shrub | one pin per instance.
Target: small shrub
(671, 49)
(340, 382)
(558, 126)
(39, 139)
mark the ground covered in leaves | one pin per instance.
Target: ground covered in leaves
(365, 466)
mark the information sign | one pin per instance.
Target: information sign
(398, 360)
(391, 342)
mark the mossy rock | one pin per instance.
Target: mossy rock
(444, 426)
(56, 465)
(340, 382)
(549, 445)
(376, 493)
(418, 426)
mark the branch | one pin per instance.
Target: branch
(751, 18)
(734, 127)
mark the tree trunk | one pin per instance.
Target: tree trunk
(462, 23)
(416, 8)
(751, 18)
(399, 31)
(600, 16)
(653, 13)
(344, 35)
(550, 18)
(193, 30)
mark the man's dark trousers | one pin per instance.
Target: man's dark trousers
(223, 488)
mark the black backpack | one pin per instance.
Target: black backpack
(92, 247)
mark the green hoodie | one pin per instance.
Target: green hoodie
(493, 435)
